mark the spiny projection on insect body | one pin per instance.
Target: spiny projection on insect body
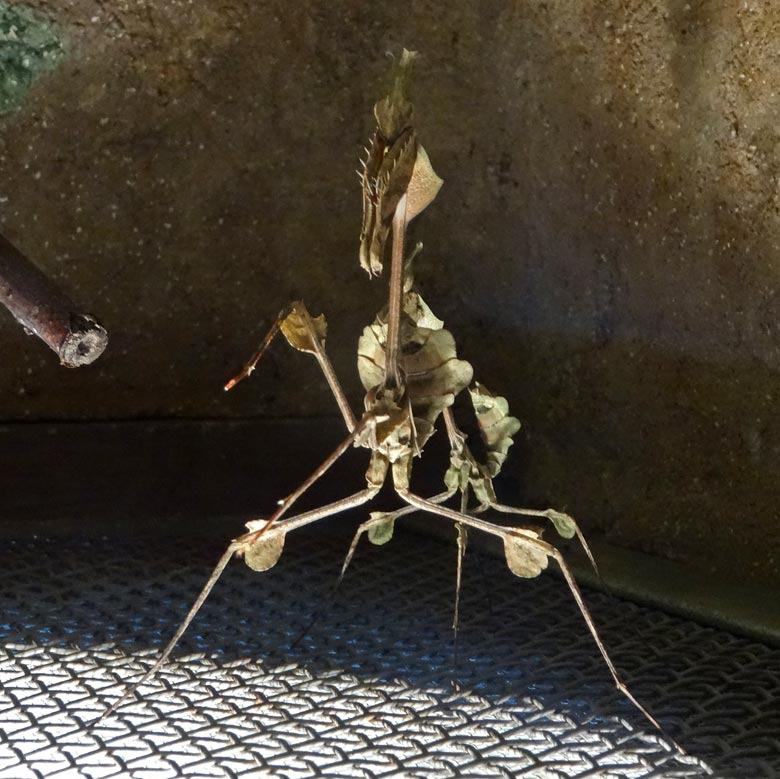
(411, 373)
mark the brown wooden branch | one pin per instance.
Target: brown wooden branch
(41, 307)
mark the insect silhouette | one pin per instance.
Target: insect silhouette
(411, 373)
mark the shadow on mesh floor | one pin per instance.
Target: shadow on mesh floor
(367, 690)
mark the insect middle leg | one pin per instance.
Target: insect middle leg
(563, 522)
(550, 514)
(376, 521)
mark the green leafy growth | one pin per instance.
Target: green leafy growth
(28, 47)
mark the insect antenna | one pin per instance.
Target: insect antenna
(199, 601)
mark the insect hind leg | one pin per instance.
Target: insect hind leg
(542, 550)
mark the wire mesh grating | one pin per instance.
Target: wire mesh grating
(256, 689)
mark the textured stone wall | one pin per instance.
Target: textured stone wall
(605, 247)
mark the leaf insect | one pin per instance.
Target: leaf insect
(411, 373)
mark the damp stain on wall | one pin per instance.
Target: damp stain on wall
(29, 46)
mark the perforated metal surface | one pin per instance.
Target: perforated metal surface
(367, 692)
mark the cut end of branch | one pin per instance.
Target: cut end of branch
(85, 341)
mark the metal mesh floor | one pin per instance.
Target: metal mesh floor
(367, 691)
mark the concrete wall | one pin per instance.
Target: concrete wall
(605, 247)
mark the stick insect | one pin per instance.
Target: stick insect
(411, 373)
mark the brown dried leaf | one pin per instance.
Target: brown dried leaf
(434, 374)
(419, 312)
(428, 359)
(423, 186)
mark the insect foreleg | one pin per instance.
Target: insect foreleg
(329, 373)
(251, 364)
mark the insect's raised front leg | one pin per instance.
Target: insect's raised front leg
(307, 334)
(527, 556)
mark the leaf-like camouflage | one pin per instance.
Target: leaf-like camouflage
(464, 471)
(524, 559)
(395, 165)
(264, 552)
(433, 373)
(495, 425)
(300, 329)
(496, 428)
(381, 529)
(565, 525)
